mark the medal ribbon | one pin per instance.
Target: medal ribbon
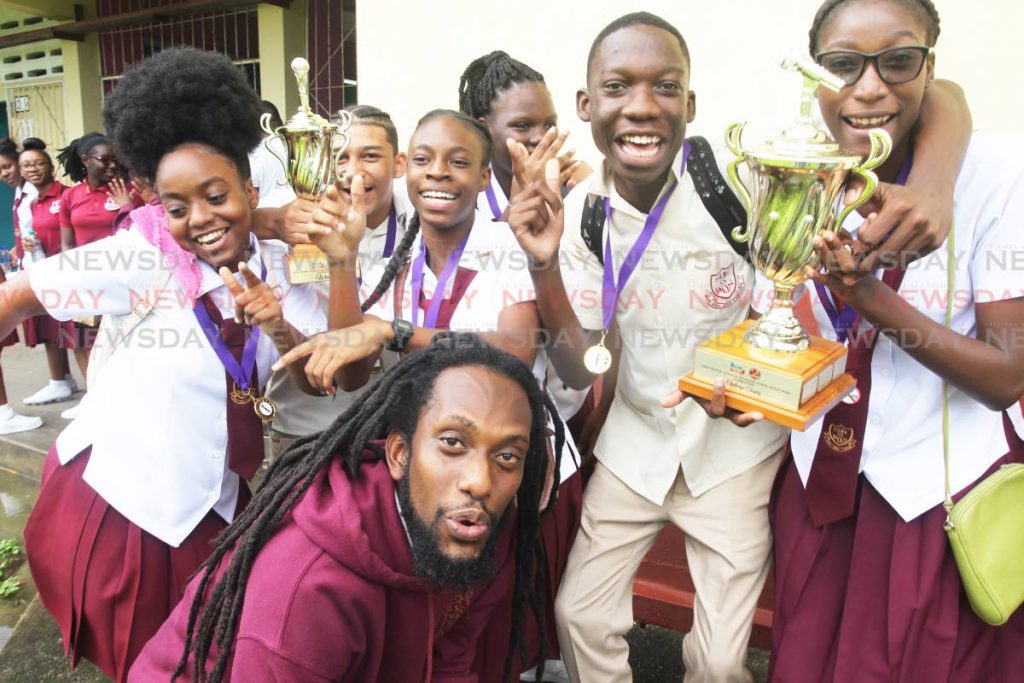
(609, 283)
(240, 372)
(430, 320)
(492, 199)
(843, 317)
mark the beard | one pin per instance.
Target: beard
(424, 541)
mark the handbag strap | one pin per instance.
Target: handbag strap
(950, 284)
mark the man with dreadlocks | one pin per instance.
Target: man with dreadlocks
(376, 549)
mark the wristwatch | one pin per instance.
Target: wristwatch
(402, 330)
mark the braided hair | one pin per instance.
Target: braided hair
(486, 77)
(392, 404)
(70, 157)
(368, 115)
(400, 257)
(924, 10)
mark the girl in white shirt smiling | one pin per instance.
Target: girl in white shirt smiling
(134, 490)
(866, 586)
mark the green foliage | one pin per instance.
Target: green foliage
(10, 553)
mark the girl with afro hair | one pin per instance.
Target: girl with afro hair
(196, 310)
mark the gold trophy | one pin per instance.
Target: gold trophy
(311, 167)
(772, 366)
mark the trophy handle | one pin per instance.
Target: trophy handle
(881, 146)
(345, 120)
(265, 125)
(741, 233)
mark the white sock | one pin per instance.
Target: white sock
(6, 412)
(58, 383)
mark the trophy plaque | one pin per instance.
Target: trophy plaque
(311, 167)
(772, 365)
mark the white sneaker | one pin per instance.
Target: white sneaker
(72, 384)
(554, 672)
(72, 412)
(53, 392)
(19, 423)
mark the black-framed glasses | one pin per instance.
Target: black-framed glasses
(28, 165)
(894, 66)
(106, 159)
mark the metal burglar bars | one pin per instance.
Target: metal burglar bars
(332, 54)
(232, 32)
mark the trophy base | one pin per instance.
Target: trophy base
(790, 389)
(307, 264)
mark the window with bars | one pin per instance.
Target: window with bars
(332, 54)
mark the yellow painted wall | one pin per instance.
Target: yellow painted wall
(283, 36)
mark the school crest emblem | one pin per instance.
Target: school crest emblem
(55, 207)
(725, 286)
(110, 204)
(840, 438)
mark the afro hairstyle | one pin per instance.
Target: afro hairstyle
(179, 96)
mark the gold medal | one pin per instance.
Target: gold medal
(598, 358)
(265, 408)
(239, 395)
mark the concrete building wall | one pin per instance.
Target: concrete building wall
(411, 55)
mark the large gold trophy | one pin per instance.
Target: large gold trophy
(311, 166)
(772, 366)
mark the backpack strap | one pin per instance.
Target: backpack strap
(114, 329)
(715, 193)
(592, 225)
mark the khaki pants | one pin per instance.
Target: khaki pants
(279, 443)
(728, 549)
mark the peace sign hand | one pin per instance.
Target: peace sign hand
(536, 214)
(255, 303)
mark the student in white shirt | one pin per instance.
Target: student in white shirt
(136, 487)
(866, 584)
(655, 464)
(267, 160)
(374, 155)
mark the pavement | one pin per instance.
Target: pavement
(34, 653)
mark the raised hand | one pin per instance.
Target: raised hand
(536, 214)
(338, 223)
(329, 351)
(904, 225)
(142, 190)
(529, 166)
(840, 269)
(255, 304)
(118, 190)
(715, 406)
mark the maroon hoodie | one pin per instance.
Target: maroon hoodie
(333, 597)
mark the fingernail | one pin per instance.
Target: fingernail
(719, 382)
(275, 367)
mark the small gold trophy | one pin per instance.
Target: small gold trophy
(311, 167)
(772, 366)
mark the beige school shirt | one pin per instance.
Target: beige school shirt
(689, 286)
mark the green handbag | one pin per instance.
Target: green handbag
(986, 526)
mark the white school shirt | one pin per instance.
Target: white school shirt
(484, 206)
(300, 413)
(268, 174)
(27, 193)
(502, 279)
(902, 455)
(688, 287)
(156, 417)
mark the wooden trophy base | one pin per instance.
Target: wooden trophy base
(790, 389)
(307, 264)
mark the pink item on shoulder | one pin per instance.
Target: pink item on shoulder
(151, 222)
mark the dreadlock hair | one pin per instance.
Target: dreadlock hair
(9, 149)
(70, 157)
(400, 256)
(635, 19)
(393, 404)
(367, 115)
(486, 77)
(179, 96)
(924, 10)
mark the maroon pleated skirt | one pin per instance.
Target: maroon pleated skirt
(109, 584)
(875, 599)
(40, 329)
(9, 340)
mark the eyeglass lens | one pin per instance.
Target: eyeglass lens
(896, 65)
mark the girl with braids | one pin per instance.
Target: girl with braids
(135, 488)
(87, 213)
(376, 549)
(866, 585)
(373, 155)
(40, 237)
(512, 100)
(10, 421)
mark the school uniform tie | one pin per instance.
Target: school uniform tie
(831, 489)
(245, 429)
(463, 276)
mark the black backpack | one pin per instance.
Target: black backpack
(714, 193)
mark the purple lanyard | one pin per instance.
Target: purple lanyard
(241, 373)
(430, 321)
(496, 209)
(844, 321)
(389, 243)
(636, 252)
